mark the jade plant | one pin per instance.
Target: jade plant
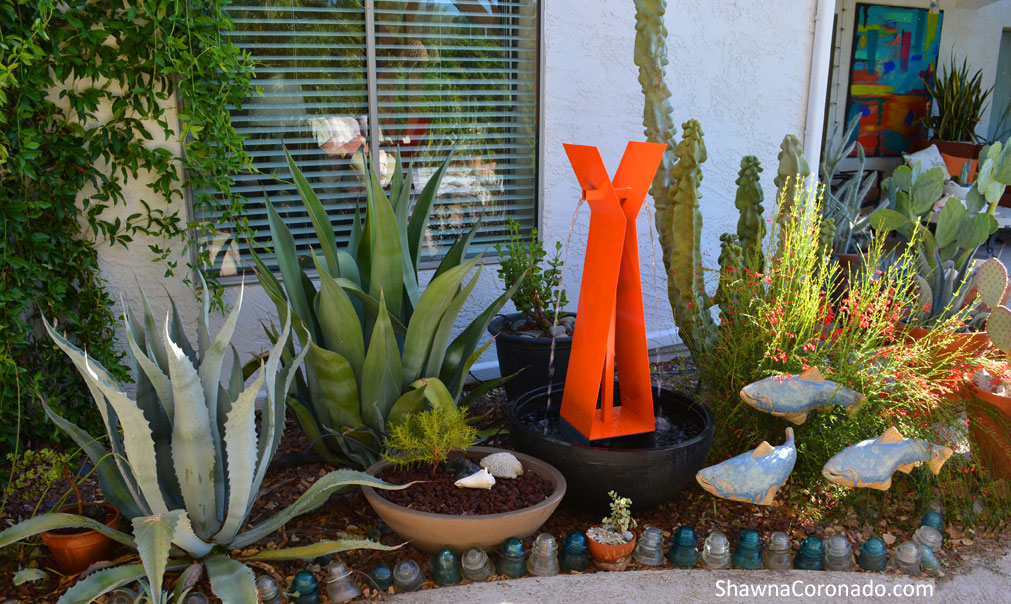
(368, 331)
(538, 292)
(615, 528)
(184, 458)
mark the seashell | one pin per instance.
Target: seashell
(477, 480)
(502, 465)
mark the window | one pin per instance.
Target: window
(434, 75)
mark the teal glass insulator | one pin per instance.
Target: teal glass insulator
(933, 520)
(778, 554)
(382, 577)
(511, 558)
(306, 586)
(716, 551)
(873, 555)
(683, 551)
(476, 565)
(748, 553)
(268, 590)
(121, 596)
(445, 567)
(811, 555)
(928, 561)
(195, 597)
(543, 560)
(649, 550)
(574, 555)
(407, 576)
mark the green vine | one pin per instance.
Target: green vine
(87, 89)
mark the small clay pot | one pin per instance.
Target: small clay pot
(611, 557)
(74, 550)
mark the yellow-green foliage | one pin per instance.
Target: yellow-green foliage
(429, 436)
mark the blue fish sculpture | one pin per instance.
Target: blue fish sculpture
(752, 477)
(792, 397)
(870, 463)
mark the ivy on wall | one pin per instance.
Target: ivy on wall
(64, 161)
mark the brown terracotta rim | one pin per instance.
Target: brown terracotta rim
(535, 464)
(113, 522)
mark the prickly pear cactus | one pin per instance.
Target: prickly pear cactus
(751, 224)
(992, 282)
(792, 170)
(998, 327)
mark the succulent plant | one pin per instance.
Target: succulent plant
(378, 346)
(998, 327)
(186, 457)
(792, 170)
(842, 205)
(942, 297)
(751, 223)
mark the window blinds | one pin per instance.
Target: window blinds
(448, 75)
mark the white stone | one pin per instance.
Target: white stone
(477, 480)
(502, 465)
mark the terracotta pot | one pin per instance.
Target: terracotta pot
(966, 342)
(993, 440)
(75, 551)
(432, 532)
(610, 553)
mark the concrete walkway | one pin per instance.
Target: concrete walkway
(985, 584)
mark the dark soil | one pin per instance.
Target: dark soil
(437, 494)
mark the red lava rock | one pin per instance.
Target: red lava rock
(438, 494)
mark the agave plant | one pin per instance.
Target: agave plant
(378, 346)
(842, 206)
(186, 458)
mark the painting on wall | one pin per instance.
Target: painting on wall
(893, 48)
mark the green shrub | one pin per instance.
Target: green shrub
(429, 436)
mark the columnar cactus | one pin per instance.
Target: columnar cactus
(826, 236)
(751, 224)
(792, 170)
(731, 263)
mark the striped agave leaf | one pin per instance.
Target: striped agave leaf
(373, 331)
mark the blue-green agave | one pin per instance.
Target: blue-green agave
(185, 458)
(379, 346)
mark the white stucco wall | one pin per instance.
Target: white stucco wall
(740, 68)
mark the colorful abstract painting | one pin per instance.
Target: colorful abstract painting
(893, 48)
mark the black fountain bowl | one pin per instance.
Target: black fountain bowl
(648, 475)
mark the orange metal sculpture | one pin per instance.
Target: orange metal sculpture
(611, 322)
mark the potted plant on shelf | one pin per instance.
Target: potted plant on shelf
(451, 501)
(611, 543)
(536, 340)
(961, 101)
(73, 549)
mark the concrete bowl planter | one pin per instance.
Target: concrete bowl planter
(432, 532)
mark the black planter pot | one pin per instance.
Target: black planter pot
(532, 355)
(633, 466)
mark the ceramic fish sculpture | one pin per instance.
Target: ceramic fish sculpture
(792, 397)
(752, 477)
(870, 463)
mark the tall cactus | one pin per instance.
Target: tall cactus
(792, 170)
(751, 224)
(682, 227)
(658, 115)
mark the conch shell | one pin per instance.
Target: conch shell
(477, 480)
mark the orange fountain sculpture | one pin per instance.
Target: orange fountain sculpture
(611, 321)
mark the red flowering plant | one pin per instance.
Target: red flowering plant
(792, 317)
